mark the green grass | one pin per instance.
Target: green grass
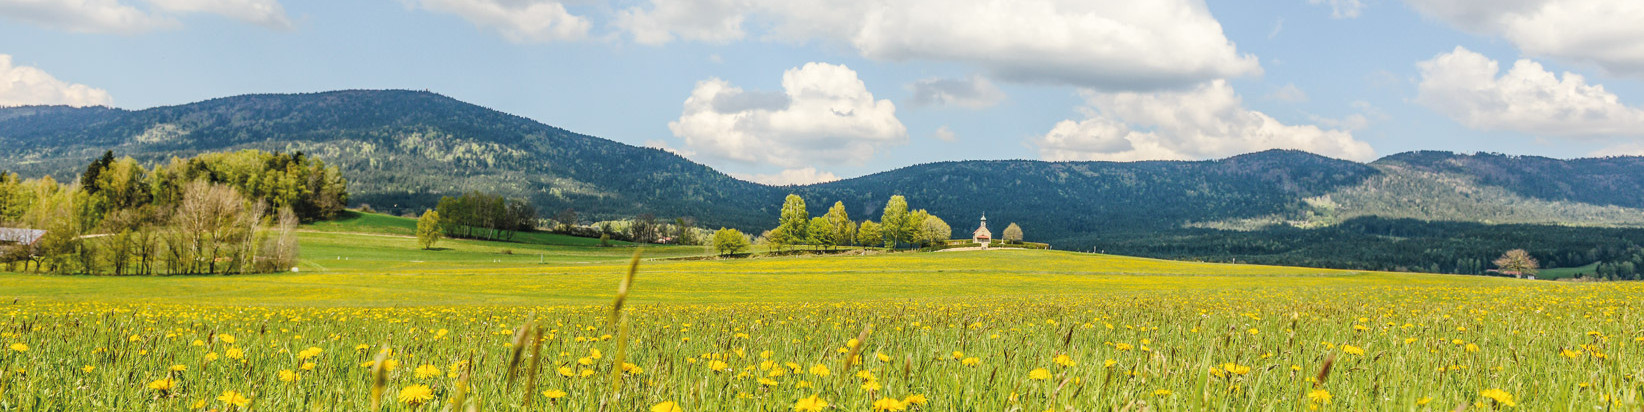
(964, 330)
(361, 222)
(1561, 273)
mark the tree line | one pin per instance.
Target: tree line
(898, 226)
(216, 213)
(485, 216)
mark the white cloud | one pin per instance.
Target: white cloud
(519, 21)
(1626, 149)
(711, 21)
(824, 114)
(1341, 9)
(25, 85)
(790, 177)
(1207, 121)
(1103, 44)
(974, 92)
(266, 13)
(1601, 32)
(1464, 85)
(1289, 93)
(84, 16)
(113, 16)
(944, 134)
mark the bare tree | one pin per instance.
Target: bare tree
(1518, 263)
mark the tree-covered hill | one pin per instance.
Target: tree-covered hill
(402, 150)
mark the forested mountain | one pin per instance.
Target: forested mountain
(402, 150)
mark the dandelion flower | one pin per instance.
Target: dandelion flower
(233, 398)
(1039, 374)
(971, 361)
(553, 393)
(162, 385)
(416, 395)
(19, 347)
(1161, 392)
(1424, 401)
(179, 368)
(1319, 396)
(915, 399)
(310, 353)
(288, 376)
(889, 404)
(1500, 397)
(668, 406)
(819, 370)
(226, 338)
(811, 404)
(1064, 361)
(427, 371)
(1352, 350)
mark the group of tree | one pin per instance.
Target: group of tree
(644, 228)
(897, 226)
(484, 216)
(216, 213)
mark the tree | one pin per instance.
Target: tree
(282, 252)
(935, 231)
(428, 229)
(795, 221)
(566, 218)
(730, 241)
(893, 222)
(1013, 233)
(914, 230)
(839, 222)
(869, 233)
(645, 228)
(685, 231)
(1518, 263)
(820, 233)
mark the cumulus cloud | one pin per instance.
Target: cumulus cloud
(266, 13)
(113, 16)
(790, 177)
(84, 16)
(1600, 32)
(826, 115)
(1464, 85)
(974, 92)
(519, 21)
(1626, 149)
(25, 85)
(1207, 121)
(1102, 44)
(1341, 9)
(944, 134)
(711, 21)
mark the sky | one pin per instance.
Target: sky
(802, 91)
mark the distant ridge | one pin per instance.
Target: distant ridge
(402, 150)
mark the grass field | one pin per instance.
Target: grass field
(975, 331)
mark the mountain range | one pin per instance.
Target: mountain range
(402, 150)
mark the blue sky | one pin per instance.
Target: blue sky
(800, 91)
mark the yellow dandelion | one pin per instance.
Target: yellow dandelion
(819, 370)
(310, 353)
(889, 404)
(812, 404)
(288, 376)
(1161, 392)
(668, 406)
(1500, 397)
(19, 347)
(1319, 396)
(553, 393)
(915, 399)
(1039, 374)
(1352, 350)
(416, 395)
(426, 371)
(233, 398)
(162, 385)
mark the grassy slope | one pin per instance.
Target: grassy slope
(1560, 273)
(359, 269)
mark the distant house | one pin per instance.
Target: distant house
(982, 235)
(14, 236)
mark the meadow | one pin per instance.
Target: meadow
(470, 326)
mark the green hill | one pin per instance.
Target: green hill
(402, 150)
